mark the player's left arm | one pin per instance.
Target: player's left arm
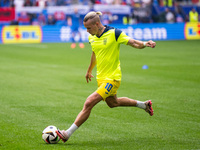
(140, 44)
(69, 21)
(122, 38)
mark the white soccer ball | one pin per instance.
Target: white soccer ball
(49, 135)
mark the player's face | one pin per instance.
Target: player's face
(91, 28)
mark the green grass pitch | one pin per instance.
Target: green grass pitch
(44, 84)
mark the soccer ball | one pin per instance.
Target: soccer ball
(49, 135)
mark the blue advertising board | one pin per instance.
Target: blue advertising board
(46, 34)
(138, 32)
(161, 31)
(1, 34)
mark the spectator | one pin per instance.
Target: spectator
(193, 15)
(12, 4)
(147, 3)
(170, 18)
(168, 3)
(129, 2)
(97, 1)
(41, 3)
(18, 3)
(28, 3)
(125, 20)
(179, 18)
(50, 20)
(41, 19)
(166, 16)
(14, 22)
(68, 2)
(179, 13)
(74, 2)
(147, 9)
(51, 3)
(60, 16)
(4, 3)
(195, 2)
(24, 19)
(92, 1)
(117, 2)
(60, 3)
(107, 1)
(143, 12)
(106, 18)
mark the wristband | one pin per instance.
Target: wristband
(144, 43)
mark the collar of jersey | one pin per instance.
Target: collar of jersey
(106, 29)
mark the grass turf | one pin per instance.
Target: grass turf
(44, 84)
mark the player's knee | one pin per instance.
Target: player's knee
(113, 104)
(88, 104)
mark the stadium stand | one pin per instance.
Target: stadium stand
(32, 12)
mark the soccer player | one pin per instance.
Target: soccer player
(74, 22)
(105, 42)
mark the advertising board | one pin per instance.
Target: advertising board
(21, 34)
(144, 32)
(192, 31)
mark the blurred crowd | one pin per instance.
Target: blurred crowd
(45, 3)
(144, 11)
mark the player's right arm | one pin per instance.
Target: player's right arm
(89, 75)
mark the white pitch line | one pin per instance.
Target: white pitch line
(32, 45)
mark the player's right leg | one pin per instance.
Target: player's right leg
(63, 135)
(90, 102)
(81, 45)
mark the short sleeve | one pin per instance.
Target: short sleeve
(121, 37)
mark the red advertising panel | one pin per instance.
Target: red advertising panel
(7, 14)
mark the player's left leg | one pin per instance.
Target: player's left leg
(113, 101)
(149, 108)
(81, 45)
(73, 45)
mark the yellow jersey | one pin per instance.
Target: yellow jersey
(193, 16)
(107, 48)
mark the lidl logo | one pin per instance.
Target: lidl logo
(192, 31)
(21, 34)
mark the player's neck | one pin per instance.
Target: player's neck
(101, 29)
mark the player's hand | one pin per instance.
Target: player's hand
(151, 44)
(88, 77)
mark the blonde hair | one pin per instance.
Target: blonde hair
(94, 16)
